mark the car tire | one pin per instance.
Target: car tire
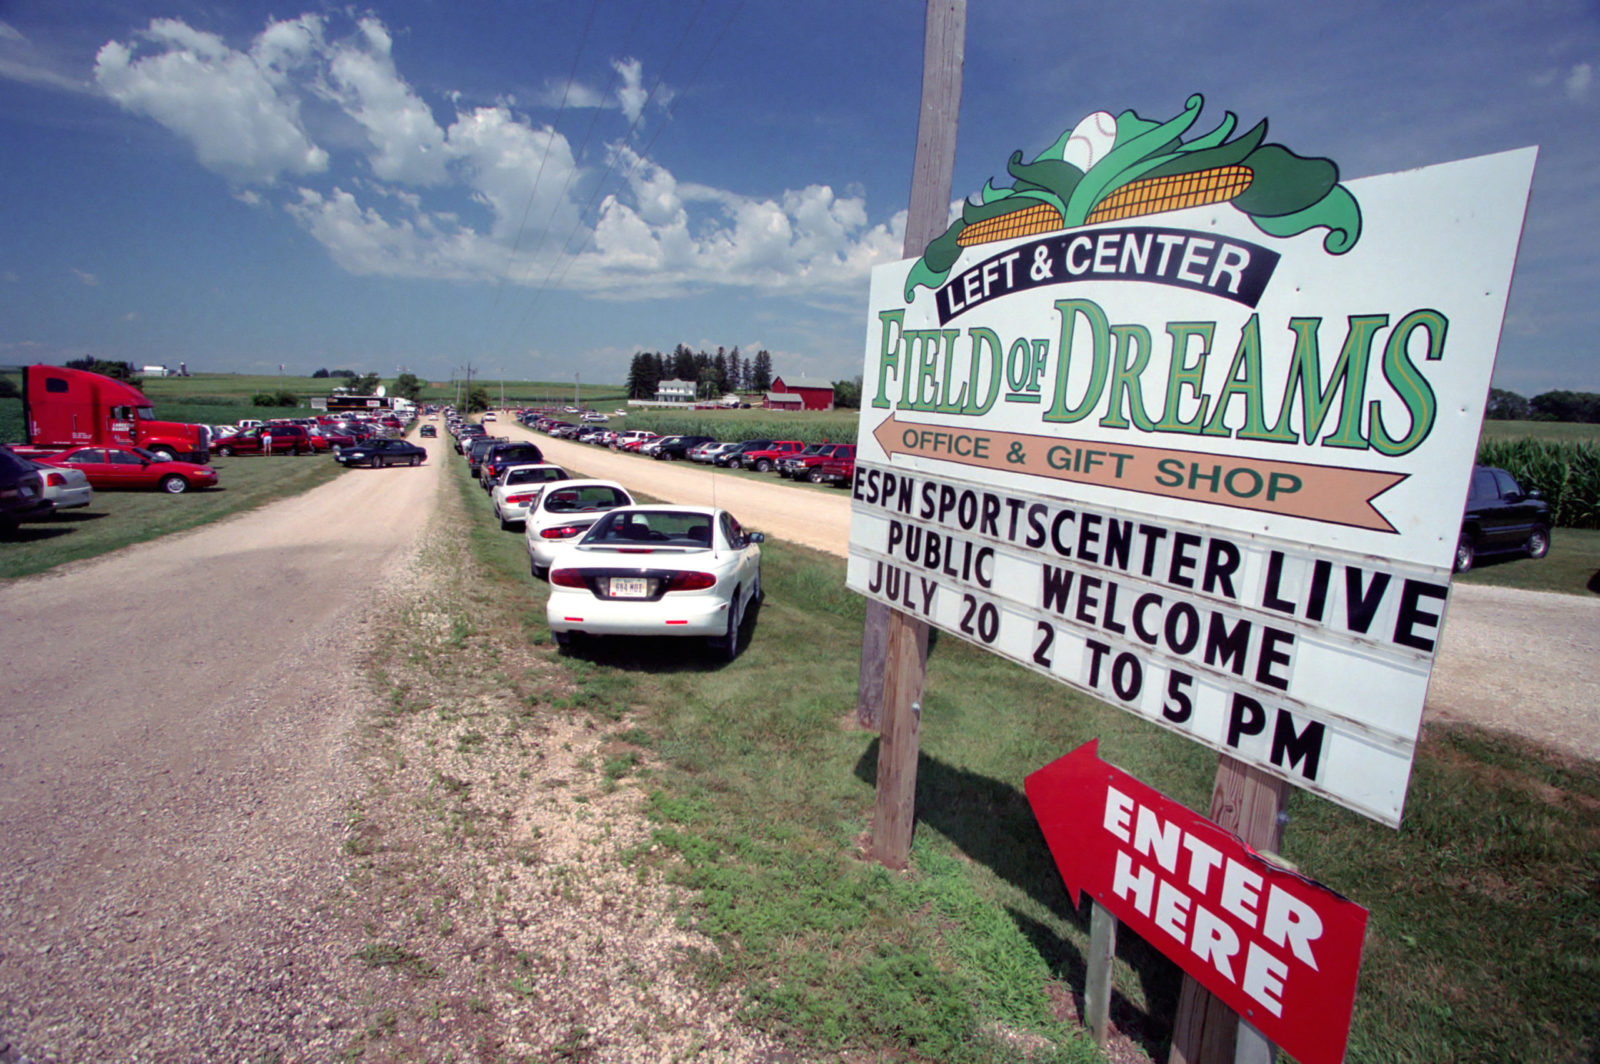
(1538, 544)
(224, 452)
(413, 461)
(563, 639)
(815, 478)
(726, 646)
(763, 465)
(1466, 554)
(173, 484)
(505, 526)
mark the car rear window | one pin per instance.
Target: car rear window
(535, 476)
(661, 528)
(588, 499)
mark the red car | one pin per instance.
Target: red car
(286, 439)
(132, 467)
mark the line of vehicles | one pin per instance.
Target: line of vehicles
(617, 566)
(87, 432)
(819, 463)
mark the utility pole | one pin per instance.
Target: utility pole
(894, 645)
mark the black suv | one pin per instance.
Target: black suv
(511, 452)
(21, 492)
(1501, 518)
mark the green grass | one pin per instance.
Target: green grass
(1485, 905)
(1554, 431)
(1572, 567)
(117, 519)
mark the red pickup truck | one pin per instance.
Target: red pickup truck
(767, 457)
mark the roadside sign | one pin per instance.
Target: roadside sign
(1203, 458)
(1280, 950)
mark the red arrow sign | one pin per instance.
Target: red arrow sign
(1280, 950)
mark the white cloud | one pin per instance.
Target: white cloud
(402, 216)
(1579, 78)
(226, 103)
(518, 172)
(88, 279)
(631, 96)
(407, 144)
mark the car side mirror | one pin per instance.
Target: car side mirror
(1535, 493)
(757, 537)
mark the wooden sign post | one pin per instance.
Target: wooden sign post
(894, 646)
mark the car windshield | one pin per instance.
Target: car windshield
(655, 528)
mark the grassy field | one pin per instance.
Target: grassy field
(117, 519)
(1485, 905)
(1572, 567)
(1556, 431)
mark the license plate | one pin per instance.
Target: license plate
(629, 587)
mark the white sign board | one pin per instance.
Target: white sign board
(1207, 464)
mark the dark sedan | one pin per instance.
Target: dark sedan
(382, 452)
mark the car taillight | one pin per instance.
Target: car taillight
(523, 499)
(561, 532)
(690, 581)
(55, 480)
(566, 578)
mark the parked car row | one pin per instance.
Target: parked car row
(32, 489)
(819, 463)
(615, 566)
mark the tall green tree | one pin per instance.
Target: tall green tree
(477, 399)
(761, 372)
(408, 386)
(366, 384)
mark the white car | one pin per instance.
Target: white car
(595, 419)
(518, 487)
(563, 513)
(658, 570)
(490, 415)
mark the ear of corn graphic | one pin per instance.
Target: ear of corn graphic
(1151, 195)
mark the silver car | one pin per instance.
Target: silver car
(66, 487)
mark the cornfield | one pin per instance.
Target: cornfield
(1567, 472)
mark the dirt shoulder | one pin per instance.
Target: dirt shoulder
(174, 721)
(1523, 662)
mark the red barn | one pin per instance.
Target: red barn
(814, 395)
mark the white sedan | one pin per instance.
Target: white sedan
(518, 487)
(562, 513)
(658, 570)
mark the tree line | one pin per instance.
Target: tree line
(1580, 407)
(714, 375)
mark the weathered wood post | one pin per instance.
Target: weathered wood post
(1249, 803)
(894, 646)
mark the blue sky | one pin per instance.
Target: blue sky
(545, 189)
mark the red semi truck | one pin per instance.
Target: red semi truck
(74, 407)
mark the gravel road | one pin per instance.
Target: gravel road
(172, 777)
(1524, 662)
